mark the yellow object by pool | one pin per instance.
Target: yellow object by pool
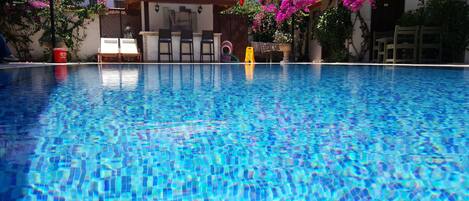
(249, 70)
(250, 55)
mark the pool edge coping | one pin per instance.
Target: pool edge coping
(39, 64)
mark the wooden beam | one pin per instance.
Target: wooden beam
(146, 15)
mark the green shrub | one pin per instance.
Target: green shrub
(452, 16)
(332, 29)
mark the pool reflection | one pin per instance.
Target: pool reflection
(24, 95)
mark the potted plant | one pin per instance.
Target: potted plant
(284, 43)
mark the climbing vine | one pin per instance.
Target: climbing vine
(19, 21)
(361, 52)
(71, 18)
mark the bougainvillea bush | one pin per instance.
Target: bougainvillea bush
(285, 9)
(283, 12)
(71, 18)
(263, 25)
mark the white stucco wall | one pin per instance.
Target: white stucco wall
(90, 45)
(88, 48)
(411, 5)
(365, 11)
(204, 19)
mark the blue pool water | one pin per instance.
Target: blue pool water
(230, 132)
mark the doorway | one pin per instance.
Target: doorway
(386, 15)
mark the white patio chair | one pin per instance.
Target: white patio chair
(129, 48)
(430, 43)
(404, 47)
(109, 48)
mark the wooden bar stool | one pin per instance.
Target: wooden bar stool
(165, 37)
(207, 38)
(187, 37)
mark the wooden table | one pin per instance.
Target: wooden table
(382, 43)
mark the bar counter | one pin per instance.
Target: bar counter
(150, 47)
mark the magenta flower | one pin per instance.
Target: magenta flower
(287, 8)
(102, 2)
(269, 8)
(355, 5)
(257, 23)
(38, 4)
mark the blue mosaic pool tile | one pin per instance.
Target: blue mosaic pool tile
(292, 133)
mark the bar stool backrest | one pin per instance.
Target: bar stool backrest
(207, 36)
(187, 35)
(165, 34)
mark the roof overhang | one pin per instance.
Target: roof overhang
(215, 2)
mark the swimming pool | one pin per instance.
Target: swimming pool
(234, 132)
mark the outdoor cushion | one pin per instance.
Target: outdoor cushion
(128, 46)
(109, 46)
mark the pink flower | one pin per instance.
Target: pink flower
(39, 4)
(102, 2)
(269, 8)
(355, 5)
(257, 23)
(288, 8)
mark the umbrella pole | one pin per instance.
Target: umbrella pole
(52, 26)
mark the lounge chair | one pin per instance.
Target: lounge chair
(129, 49)
(109, 48)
